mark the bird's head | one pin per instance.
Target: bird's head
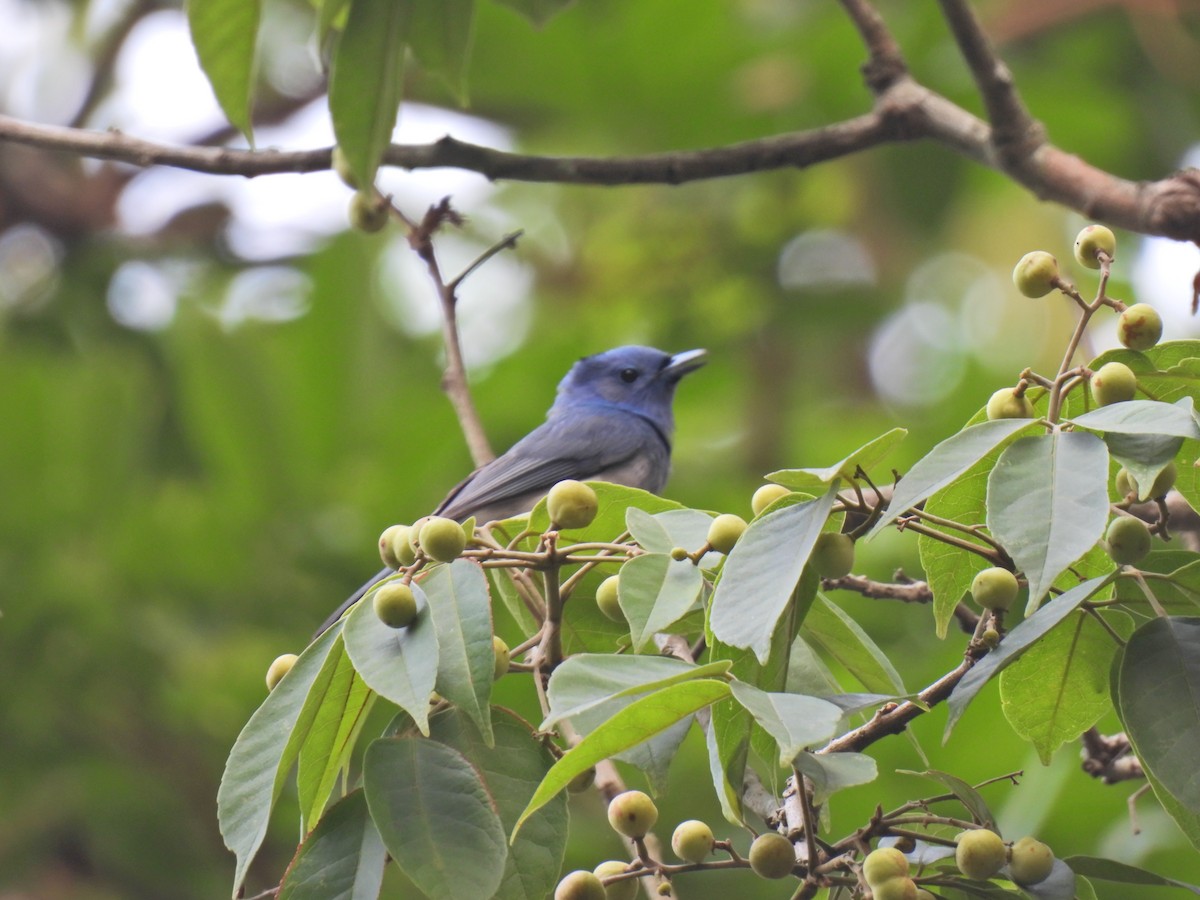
(639, 379)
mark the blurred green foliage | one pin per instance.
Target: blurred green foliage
(178, 506)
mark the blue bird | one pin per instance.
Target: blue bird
(611, 421)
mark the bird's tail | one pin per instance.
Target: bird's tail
(352, 599)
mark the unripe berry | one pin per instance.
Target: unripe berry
(1092, 240)
(503, 657)
(442, 539)
(772, 855)
(368, 212)
(692, 841)
(679, 554)
(1128, 540)
(278, 668)
(582, 781)
(395, 604)
(1140, 327)
(1005, 404)
(386, 553)
(632, 814)
(1113, 382)
(402, 548)
(572, 504)
(884, 864)
(980, 854)
(995, 588)
(626, 889)
(832, 555)
(765, 496)
(341, 165)
(724, 532)
(1036, 273)
(1030, 861)
(607, 598)
(580, 885)
(1124, 483)
(895, 889)
(923, 894)
(990, 638)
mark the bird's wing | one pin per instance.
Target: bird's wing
(569, 446)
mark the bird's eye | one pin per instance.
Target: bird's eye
(629, 375)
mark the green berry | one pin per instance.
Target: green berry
(341, 165)
(772, 855)
(1030, 861)
(386, 553)
(572, 504)
(923, 894)
(884, 864)
(626, 889)
(765, 496)
(679, 554)
(1091, 241)
(395, 604)
(1140, 327)
(990, 638)
(368, 211)
(1113, 382)
(280, 667)
(1124, 483)
(402, 548)
(980, 854)
(895, 889)
(1036, 274)
(442, 539)
(632, 814)
(692, 841)
(1005, 404)
(1163, 482)
(503, 657)
(724, 532)
(833, 555)
(607, 598)
(580, 885)
(582, 781)
(995, 588)
(1128, 540)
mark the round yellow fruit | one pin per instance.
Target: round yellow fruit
(395, 604)
(980, 854)
(1030, 861)
(626, 889)
(442, 539)
(1139, 327)
(572, 504)
(632, 814)
(895, 889)
(833, 555)
(1163, 482)
(608, 598)
(1090, 242)
(368, 211)
(692, 841)
(503, 657)
(386, 553)
(883, 864)
(1128, 540)
(1005, 404)
(402, 548)
(724, 532)
(1113, 382)
(995, 588)
(1036, 274)
(278, 668)
(772, 855)
(580, 885)
(765, 496)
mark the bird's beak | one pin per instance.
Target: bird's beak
(682, 363)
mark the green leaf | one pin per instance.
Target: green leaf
(440, 37)
(970, 798)
(831, 628)
(1048, 504)
(436, 817)
(830, 772)
(1159, 702)
(264, 752)
(342, 859)
(729, 796)
(1122, 873)
(794, 721)
(399, 664)
(366, 81)
(539, 12)
(655, 591)
(224, 33)
(762, 571)
(1015, 643)
(462, 615)
(642, 719)
(807, 672)
(1059, 688)
(865, 457)
(332, 736)
(330, 15)
(511, 769)
(1180, 589)
(946, 462)
(1143, 417)
(1144, 455)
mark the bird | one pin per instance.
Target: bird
(611, 420)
